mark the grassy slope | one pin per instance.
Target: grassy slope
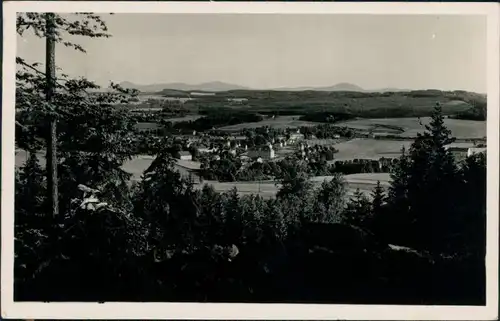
(369, 149)
(411, 126)
(277, 122)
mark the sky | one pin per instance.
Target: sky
(270, 51)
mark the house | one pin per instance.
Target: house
(302, 150)
(204, 149)
(185, 155)
(294, 137)
(148, 127)
(240, 138)
(475, 150)
(459, 150)
(266, 152)
(459, 146)
(238, 101)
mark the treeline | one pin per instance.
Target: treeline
(213, 120)
(321, 166)
(383, 165)
(310, 94)
(477, 112)
(329, 117)
(326, 131)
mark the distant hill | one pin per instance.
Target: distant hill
(343, 87)
(338, 87)
(214, 86)
(218, 86)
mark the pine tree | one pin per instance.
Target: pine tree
(294, 179)
(233, 223)
(440, 134)
(378, 199)
(30, 190)
(358, 209)
(398, 191)
(421, 196)
(435, 204)
(331, 200)
(50, 26)
(469, 226)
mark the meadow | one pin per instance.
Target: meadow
(184, 118)
(268, 189)
(411, 126)
(277, 122)
(369, 149)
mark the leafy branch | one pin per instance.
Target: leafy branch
(91, 26)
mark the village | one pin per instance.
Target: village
(199, 154)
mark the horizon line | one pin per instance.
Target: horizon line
(286, 88)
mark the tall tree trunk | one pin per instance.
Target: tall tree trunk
(51, 156)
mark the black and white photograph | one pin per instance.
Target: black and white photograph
(249, 158)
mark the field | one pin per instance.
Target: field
(185, 118)
(411, 126)
(324, 142)
(268, 189)
(369, 149)
(142, 126)
(278, 122)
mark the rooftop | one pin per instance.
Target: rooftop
(460, 145)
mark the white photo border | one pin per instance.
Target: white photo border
(11, 309)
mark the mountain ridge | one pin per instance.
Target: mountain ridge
(219, 86)
(212, 86)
